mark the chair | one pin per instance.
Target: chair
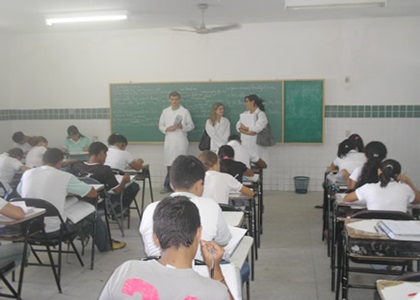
(51, 239)
(346, 256)
(4, 270)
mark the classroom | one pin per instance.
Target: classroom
(52, 77)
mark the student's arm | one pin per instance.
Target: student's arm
(248, 172)
(120, 187)
(404, 178)
(247, 191)
(214, 253)
(333, 168)
(262, 164)
(12, 211)
(79, 188)
(351, 197)
(137, 164)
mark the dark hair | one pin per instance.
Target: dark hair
(73, 130)
(257, 101)
(52, 156)
(208, 158)
(375, 152)
(117, 138)
(390, 170)
(18, 137)
(40, 139)
(97, 147)
(358, 141)
(185, 171)
(226, 151)
(344, 147)
(175, 222)
(174, 94)
(16, 153)
(234, 137)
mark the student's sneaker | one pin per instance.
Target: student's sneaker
(165, 191)
(116, 245)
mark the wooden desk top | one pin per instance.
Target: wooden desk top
(401, 290)
(233, 218)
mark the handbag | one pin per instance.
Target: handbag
(265, 137)
(204, 143)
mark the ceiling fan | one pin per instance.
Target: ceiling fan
(202, 29)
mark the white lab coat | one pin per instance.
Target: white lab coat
(176, 142)
(218, 133)
(250, 141)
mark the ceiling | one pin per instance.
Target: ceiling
(27, 16)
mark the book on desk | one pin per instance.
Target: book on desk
(400, 230)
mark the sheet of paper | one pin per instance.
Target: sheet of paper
(79, 211)
(401, 291)
(247, 119)
(237, 235)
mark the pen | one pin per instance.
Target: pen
(212, 263)
(411, 294)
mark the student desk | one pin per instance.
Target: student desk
(31, 223)
(241, 254)
(401, 290)
(372, 246)
(259, 187)
(234, 218)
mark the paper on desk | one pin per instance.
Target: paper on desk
(401, 291)
(78, 210)
(237, 235)
(120, 177)
(368, 226)
(22, 205)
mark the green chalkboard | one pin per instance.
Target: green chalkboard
(303, 111)
(136, 107)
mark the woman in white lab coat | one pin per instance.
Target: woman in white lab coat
(175, 122)
(217, 127)
(252, 121)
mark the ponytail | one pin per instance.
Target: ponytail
(390, 169)
(375, 152)
(257, 101)
(345, 147)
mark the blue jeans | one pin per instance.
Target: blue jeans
(166, 184)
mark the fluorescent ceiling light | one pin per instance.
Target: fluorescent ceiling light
(85, 17)
(325, 4)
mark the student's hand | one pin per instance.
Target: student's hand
(126, 178)
(206, 249)
(345, 174)
(404, 178)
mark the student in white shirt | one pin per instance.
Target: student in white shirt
(187, 178)
(175, 122)
(219, 185)
(23, 141)
(34, 156)
(217, 127)
(10, 164)
(393, 191)
(243, 154)
(117, 157)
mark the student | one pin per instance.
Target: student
(217, 127)
(375, 152)
(177, 230)
(347, 159)
(230, 166)
(96, 169)
(358, 141)
(34, 156)
(175, 122)
(187, 178)
(243, 154)
(117, 157)
(10, 164)
(258, 121)
(75, 141)
(393, 191)
(23, 141)
(53, 185)
(11, 252)
(219, 185)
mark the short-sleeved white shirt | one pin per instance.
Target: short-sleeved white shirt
(213, 223)
(395, 196)
(352, 160)
(118, 159)
(219, 185)
(355, 175)
(8, 168)
(243, 154)
(34, 156)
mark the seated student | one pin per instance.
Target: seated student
(219, 185)
(11, 252)
(243, 154)
(96, 169)
(393, 191)
(229, 165)
(10, 164)
(34, 156)
(375, 152)
(53, 185)
(186, 178)
(358, 141)
(177, 230)
(75, 142)
(347, 159)
(117, 157)
(23, 141)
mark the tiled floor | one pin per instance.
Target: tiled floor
(292, 264)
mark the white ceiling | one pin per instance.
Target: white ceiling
(28, 15)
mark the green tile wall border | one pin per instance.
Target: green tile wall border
(331, 111)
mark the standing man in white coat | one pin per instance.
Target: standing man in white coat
(175, 122)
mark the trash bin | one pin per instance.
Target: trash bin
(301, 184)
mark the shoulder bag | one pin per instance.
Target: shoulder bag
(204, 143)
(265, 137)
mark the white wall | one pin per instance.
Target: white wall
(379, 55)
